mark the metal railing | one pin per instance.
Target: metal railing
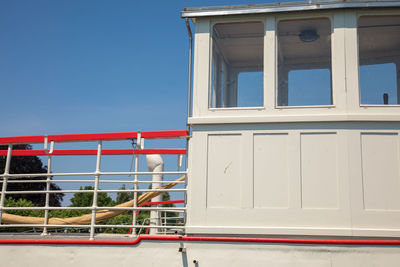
(179, 220)
(49, 151)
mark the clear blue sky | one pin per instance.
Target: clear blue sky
(93, 66)
(82, 66)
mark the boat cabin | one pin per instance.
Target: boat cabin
(295, 119)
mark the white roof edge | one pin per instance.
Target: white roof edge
(194, 12)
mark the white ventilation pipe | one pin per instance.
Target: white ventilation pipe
(155, 163)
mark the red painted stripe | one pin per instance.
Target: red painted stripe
(82, 152)
(161, 202)
(23, 152)
(93, 137)
(116, 136)
(22, 139)
(207, 239)
(165, 134)
(161, 151)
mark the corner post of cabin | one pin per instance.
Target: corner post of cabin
(398, 79)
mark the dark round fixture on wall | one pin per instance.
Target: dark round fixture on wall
(308, 36)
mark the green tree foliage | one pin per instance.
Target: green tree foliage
(29, 164)
(10, 202)
(123, 197)
(86, 199)
(123, 219)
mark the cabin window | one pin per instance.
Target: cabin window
(304, 62)
(379, 59)
(237, 65)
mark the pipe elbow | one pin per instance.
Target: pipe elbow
(154, 162)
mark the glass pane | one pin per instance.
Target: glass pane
(250, 94)
(379, 59)
(237, 65)
(304, 87)
(304, 62)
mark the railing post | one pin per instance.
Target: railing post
(96, 188)
(48, 181)
(135, 185)
(5, 179)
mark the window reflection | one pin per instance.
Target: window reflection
(379, 59)
(237, 65)
(304, 62)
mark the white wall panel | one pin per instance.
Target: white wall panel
(271, 179)
(223, 170)
(307, 179)
(380, 171)
(319, 181)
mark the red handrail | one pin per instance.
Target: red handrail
(156, 203)
(93, 137)
(82, 152)
(178, 238)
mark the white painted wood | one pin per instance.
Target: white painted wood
(201, 67)
(351, 42)
(350, 117)
(319, 181)
(345, 84)
(307, 179)
(269, 63)
(196, 179)
(247, 171)
(271, 172)
(159, 253)
(338, 61)
(223, 170)
(380, 171)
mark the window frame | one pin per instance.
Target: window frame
(261, 19)
(378, 13)
(345, 84)
(286, 17)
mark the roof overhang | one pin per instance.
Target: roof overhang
(195, 12)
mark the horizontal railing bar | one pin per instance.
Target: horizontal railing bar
(171, 209)
(134, 226)
(45, 181)
(167, 209)
(91, 191)
(88, 152)
(22, 139)
(90, 181)
(142, 190)
(43, 225)
(88, 173)
(117, 136)
(88, 226)
(141, 182)
(94, 137)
